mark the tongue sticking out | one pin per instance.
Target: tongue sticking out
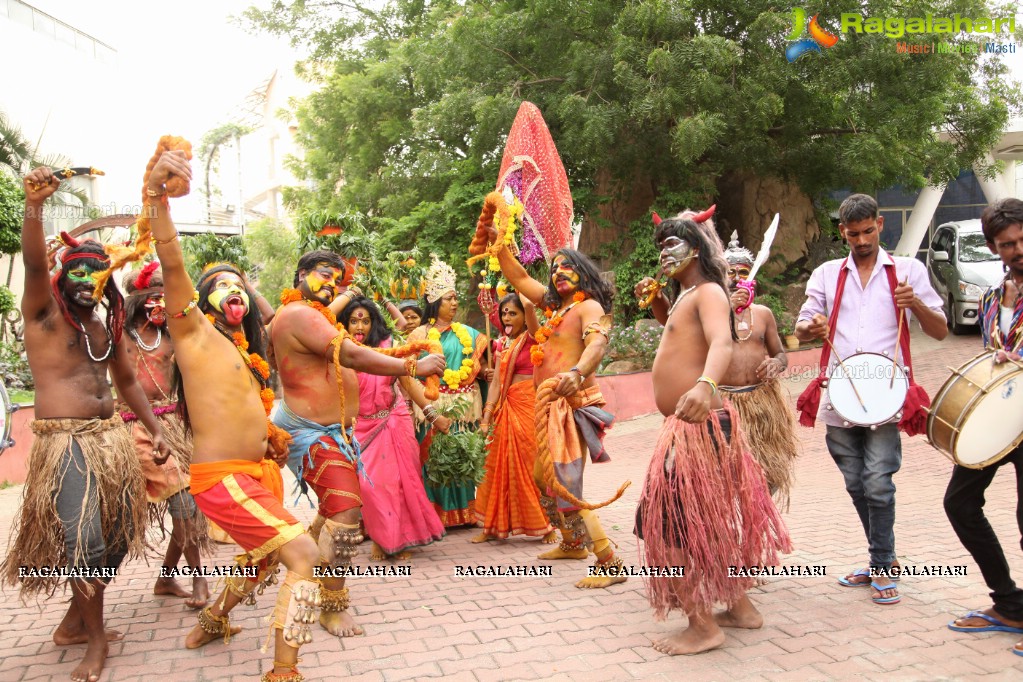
(234, 312)
(507, 330)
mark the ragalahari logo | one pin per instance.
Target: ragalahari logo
(818, 36)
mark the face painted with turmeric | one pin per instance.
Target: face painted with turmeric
(323, 282)
(563, 276)
(359, 324)
(229, 297)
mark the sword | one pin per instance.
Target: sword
(749, 283)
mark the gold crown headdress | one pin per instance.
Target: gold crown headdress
(440, 279)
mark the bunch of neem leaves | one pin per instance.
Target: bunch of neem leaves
(456, 457)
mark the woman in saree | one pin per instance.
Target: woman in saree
(463, 350)
(395, 510)
(508, 501)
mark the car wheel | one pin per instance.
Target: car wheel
(953, 324)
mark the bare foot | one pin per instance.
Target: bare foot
(340, 623)
(404, 555)
(735, 617)
(170, 587)
(689, 641)
(482, 537)
(377, 553)
(595, 582)
(550, 538)
(199, 637)
(92, 665)
(558, 553)
(200, 594)
(67, 637)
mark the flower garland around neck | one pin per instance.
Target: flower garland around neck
(294, 295)
(554, 319)
(255, 362)
(454, 378)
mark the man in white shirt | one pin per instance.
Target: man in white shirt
(867, 321)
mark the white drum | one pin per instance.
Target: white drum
(868, 389)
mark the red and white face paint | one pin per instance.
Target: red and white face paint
(156, 310)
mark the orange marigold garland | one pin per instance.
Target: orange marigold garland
(432, 384)
(277, 437)
(554, 319)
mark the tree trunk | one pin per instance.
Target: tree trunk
(606, 224)
(747, 203)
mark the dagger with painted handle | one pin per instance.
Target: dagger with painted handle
(70, 172)
(749, 284)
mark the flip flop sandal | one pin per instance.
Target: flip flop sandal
(884, 601)
(845, 582)
(995, 626)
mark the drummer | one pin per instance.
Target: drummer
(1001, 319)
(866, 321)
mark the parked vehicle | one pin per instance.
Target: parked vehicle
(961, 268)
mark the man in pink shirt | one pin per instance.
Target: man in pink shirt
(867, 321)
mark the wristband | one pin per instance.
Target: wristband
(707, 380)
(578, 371)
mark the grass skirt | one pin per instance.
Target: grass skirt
(709, 510)
(38, 536)
(768, 425)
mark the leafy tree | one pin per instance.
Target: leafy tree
(207, 248)
(12, 203)
(649, 101)
(274, 247)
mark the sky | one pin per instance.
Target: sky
(180, 69)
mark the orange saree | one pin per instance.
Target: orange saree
(507, 500)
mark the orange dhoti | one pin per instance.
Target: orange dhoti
(245, 498)
(508, 501)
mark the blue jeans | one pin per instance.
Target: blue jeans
(868, 459)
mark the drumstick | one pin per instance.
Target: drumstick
(847, 373)
(898, 338)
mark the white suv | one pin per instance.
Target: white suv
(961, 268)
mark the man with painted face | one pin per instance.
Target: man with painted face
(568, 351)
(701, 476)
(751, 382)
(152, 355)
(83, 508)
(856, 303)
(324, 452)
(224, 397)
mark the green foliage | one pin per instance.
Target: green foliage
(12, 211)
(661, 95)
(203, 249)
(7, 300)
(638, 344)
(456, 457)
(275, 248)
(14, 368)
(786, 319)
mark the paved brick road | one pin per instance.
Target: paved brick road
(434, 624)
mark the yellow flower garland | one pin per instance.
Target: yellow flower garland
(454, 377)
